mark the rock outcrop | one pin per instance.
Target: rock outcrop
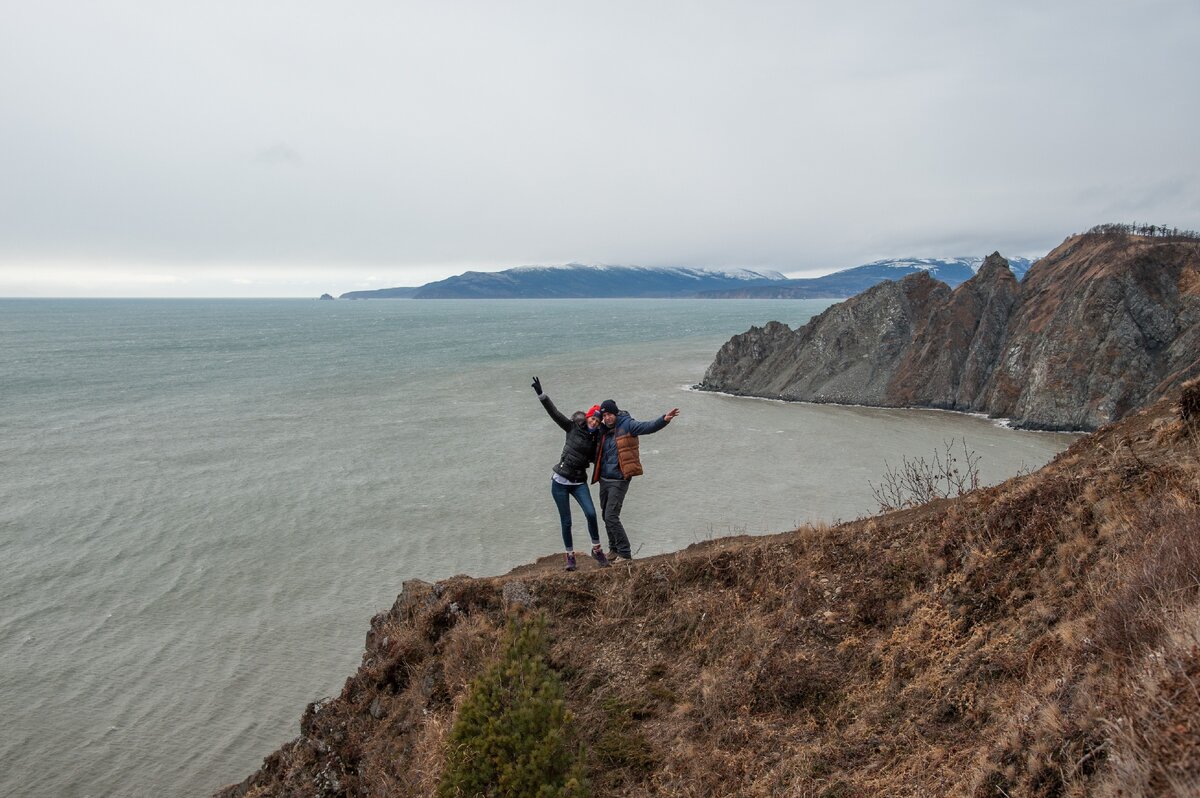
(1103, 325)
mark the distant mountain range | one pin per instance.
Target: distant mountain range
(849, 282)
(576, 281)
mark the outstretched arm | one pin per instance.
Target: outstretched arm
(647, 427)
(558, 417)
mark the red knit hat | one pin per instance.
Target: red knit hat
(593, 410)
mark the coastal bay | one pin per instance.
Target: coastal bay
(205, 501)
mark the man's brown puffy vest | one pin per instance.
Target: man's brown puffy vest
(628, 457)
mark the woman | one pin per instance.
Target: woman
(569, 477)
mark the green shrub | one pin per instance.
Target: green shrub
(512, 736)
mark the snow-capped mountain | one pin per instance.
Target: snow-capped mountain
(579, 281)
(682, 271)
(951, 271)
(848, 282)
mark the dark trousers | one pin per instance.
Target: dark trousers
(612, 497)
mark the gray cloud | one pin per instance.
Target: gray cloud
(439, 137)
(278, 154)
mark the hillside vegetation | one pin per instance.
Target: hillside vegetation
(1037, 638)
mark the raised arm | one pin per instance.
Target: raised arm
(551, 410)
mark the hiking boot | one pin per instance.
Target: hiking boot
(598, 556)
(571, 561)
(616, 556)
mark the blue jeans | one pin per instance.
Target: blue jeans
(561, 494)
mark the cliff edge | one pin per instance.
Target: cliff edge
(1102, 325)
(1038, 638)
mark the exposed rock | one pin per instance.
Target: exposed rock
(1189, 403)
(953, 356)
(414, 592)
(1101, 326)
(516, 594)
(1104, 326)
(849, 353)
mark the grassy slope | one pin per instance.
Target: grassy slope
(1035, 638)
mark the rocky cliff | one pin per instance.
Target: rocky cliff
(1102, 325)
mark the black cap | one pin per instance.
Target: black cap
(609, 406)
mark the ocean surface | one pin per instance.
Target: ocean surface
(203, 502)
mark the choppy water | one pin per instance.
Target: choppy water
(203, 502)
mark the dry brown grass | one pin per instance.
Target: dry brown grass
(1038, 638)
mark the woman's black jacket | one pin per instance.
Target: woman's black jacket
(580, 448)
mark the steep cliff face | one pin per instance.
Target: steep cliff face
(1102, 325)
(950, 362)
(849, 353)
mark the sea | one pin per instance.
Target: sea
(204, 502)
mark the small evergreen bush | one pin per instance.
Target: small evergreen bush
(511, 739)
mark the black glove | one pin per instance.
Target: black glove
(537, 386)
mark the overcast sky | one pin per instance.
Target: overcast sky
(290, 148)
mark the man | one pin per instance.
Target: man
(617, 462)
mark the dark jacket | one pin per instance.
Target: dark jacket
(579, 449)
(619, 457)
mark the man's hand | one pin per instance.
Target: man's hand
(537, 386)
(670, 414)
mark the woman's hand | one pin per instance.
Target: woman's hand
(537, 386)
